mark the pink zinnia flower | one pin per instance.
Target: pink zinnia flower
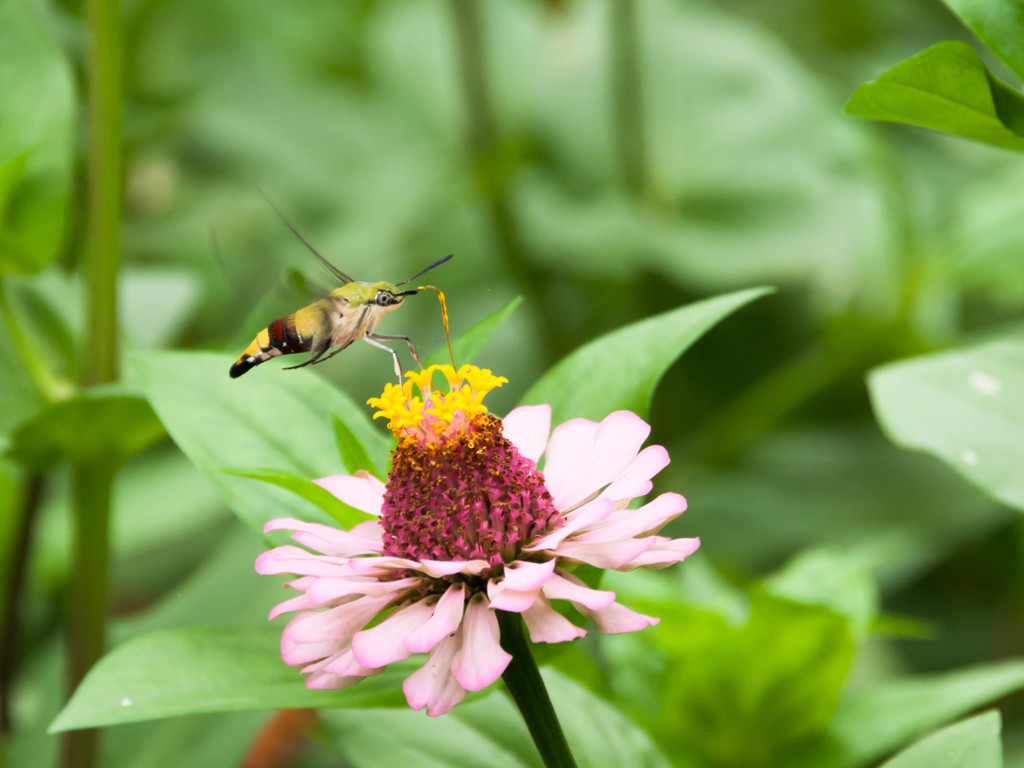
(467, 524)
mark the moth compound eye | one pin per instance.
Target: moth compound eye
(384, 299)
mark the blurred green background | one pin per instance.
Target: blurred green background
(606, 162)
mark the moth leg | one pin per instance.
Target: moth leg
(406, 339)
(318, 348)
(342, 348)
(372, 340)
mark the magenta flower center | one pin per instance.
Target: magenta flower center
(471, 497)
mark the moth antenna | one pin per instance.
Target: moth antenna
(437, 263)
(335, 272)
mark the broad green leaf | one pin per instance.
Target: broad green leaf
(345, 515)
(597, 733)
(873, 722)
(621, 369)
(966, 407)
(352, 453)
(836, 579)
(468, 344)
(971, 743)
(999, 24)
(205, 669)
(99, 424)
(265, 419)
(759, 690)
(946, 88)
(36, 139)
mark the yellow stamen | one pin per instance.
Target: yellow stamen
(466, 390)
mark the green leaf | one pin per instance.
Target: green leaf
(598, 734)
(468, 344)
(971, 743)
(621, 369)
(873, 722)
(265, 419)
(205, 669)
(835, 579)
(757, 690)
(352, 453)
(946, 88)
(98, 424)
(999, 24)
(966, 407)
(37, 119)
(345, 515)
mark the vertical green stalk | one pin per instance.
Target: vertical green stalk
(483, 145)
(524, 683)
(92, 481)
(627, 100)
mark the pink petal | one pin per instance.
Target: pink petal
(446, 619)
(612, 554)
(617, 618)
(346, 665)
(603, 455)
(546, 625)
(300, 603)
(664, 553)
(570, 588)
(326, 590)
(385, 643)
(357, 491)
(296, 654)
(323, 680)
(323, 538)
(635, 480)
(289, 559)
(335, 623)
(567, 454)
(439, 568)
(480, 659)
(432, 685)
(587, 515)
(627, 523)
(527, 428)
(520, 586)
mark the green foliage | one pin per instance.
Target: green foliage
(204, 669)
(622, 369)
(998, 24)
(874, 721)
(946, 88)
(101, 424)
(973, 743)
(224, 424)
(966, 407)
(339, 511)
(598, 734)
(468, 344)
(36, 139)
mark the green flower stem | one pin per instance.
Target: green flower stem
(91, 490)
(92, 481)
(627, 100)
(523, 680)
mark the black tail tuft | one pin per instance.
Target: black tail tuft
(241, 366)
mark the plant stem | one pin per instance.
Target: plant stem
(31, 498)
(524, 683)
(92, 482)
(627, 101)
(91, 490)
(492, 170)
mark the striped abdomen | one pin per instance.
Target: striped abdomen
(281, 337)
